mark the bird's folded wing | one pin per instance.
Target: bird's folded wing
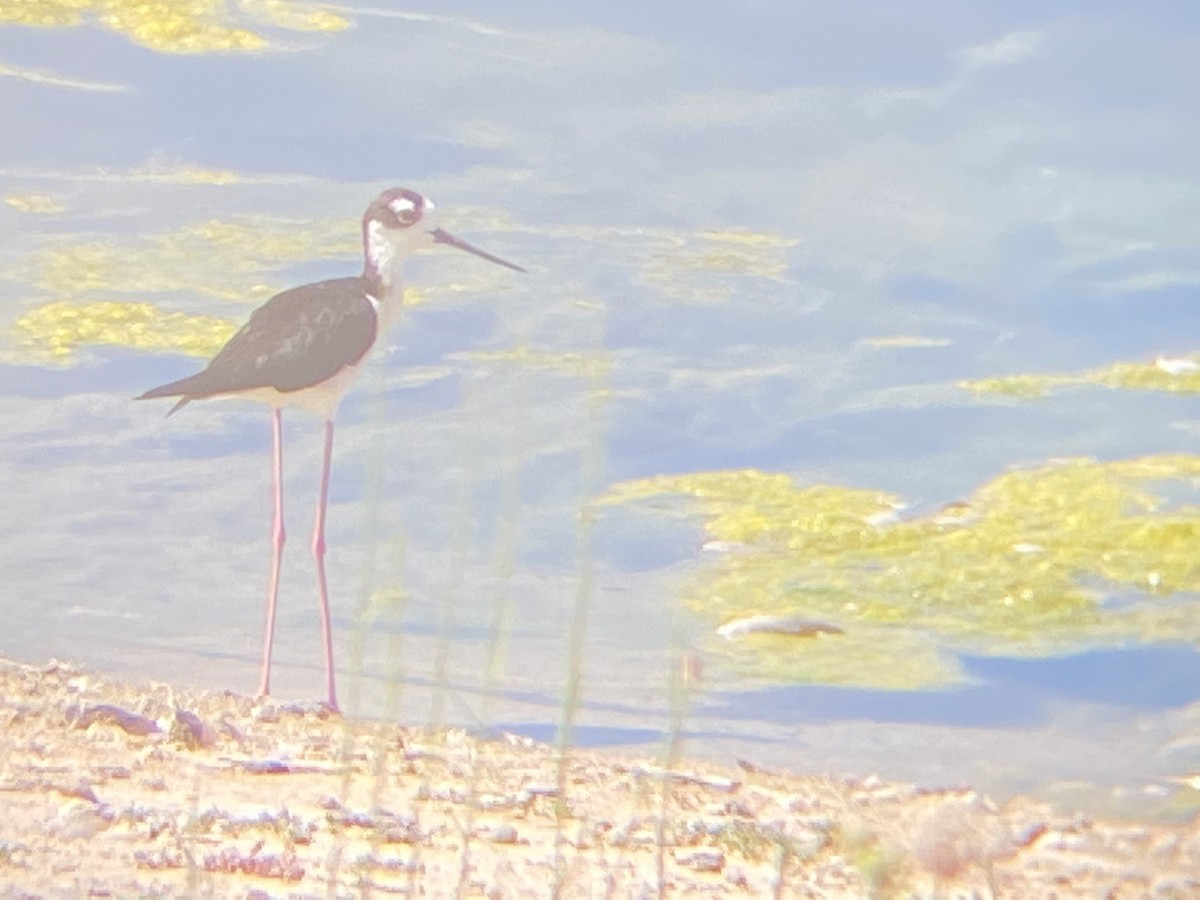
(297, 339)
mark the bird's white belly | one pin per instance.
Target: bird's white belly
(320, 399)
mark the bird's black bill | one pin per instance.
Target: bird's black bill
(445, 237)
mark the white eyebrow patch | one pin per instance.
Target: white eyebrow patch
(402, 205)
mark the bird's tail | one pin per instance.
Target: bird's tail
(184, 389)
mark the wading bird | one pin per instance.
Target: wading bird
(304, 348)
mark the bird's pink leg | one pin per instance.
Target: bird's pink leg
(278, 537)
(318, 549)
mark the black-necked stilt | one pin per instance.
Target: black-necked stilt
(304, 347)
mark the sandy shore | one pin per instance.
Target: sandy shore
(114, 789)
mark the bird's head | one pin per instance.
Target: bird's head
(400, 221)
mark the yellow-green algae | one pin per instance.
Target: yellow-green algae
(742, 252)
(40, 204)
(55, 330)
(1021, 577)
(175, 26)
(683, 263)
(687, 266)
(580, 365)
(225, 259)
(240, 260)
(1175, 376)
(185, 175)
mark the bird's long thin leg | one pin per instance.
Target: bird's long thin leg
(278, 538)
(318, 549)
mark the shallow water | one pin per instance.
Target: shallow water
(776, 240)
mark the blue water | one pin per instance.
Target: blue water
(1011, 181)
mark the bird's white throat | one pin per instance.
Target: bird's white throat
(385, 257)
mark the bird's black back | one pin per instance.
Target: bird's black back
(297, 339)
